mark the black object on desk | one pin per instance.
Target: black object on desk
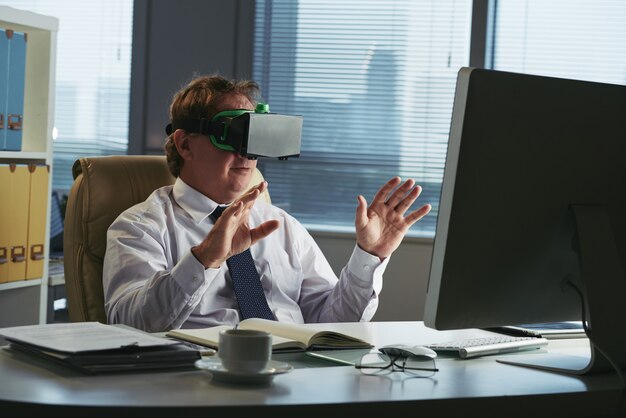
(515, 331)
(549, 330)
(125, 359)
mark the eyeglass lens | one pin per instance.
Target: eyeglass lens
(379, 363)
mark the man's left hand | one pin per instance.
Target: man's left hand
(381, 227)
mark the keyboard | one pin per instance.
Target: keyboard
(474, 347)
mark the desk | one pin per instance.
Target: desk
(477, 387)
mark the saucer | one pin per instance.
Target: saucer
(214, 366)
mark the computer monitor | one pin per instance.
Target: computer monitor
(533, 211)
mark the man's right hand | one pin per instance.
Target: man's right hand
(231, 233)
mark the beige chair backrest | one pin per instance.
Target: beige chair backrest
(103, 188)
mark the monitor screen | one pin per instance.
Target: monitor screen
(532, 217)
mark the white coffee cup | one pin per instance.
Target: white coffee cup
(244, 350)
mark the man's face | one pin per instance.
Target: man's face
(218, 174)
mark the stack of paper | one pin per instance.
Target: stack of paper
(94, 347)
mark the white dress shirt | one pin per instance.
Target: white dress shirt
(152, 281)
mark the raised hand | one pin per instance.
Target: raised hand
(381, 227)
(231, 233)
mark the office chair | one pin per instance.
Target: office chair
(103, 188)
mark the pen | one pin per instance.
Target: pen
(515, 331)
(333, 359)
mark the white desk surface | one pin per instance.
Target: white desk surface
(476, 387)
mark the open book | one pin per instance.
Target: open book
(285, 336)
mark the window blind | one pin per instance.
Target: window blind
(374, 82)
(569, 39)
(92, 79)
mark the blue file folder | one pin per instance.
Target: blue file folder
(14, 118)
(12, 77)
(4, 79)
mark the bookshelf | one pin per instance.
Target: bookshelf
(24, 302)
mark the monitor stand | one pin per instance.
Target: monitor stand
(604, 291)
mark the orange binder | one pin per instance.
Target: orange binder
(5, 213)
(37, 210)
(19, 196)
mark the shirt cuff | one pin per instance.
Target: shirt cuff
(191, 275)
(367, 267)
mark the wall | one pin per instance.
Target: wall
(406, 277)
(172, 42)
(175, 39)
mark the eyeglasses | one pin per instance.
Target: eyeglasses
(381, 364)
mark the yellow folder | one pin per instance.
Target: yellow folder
(37, 210)
(19, 196)
(5, 213)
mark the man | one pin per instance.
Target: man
(165, 265)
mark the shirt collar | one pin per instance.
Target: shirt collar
(192, 201)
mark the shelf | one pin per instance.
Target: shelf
(20, 284)
(40, 76)
(25, 20)
(26, 301)
(24, 156)
(58, 280)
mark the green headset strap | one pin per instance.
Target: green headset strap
(220, 141)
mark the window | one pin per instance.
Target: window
(92, 79)
(374, 81)
(560, 38)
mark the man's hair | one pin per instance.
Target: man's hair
(199, 99)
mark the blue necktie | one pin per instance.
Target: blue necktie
(246, 282)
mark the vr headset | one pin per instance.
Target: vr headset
(251, 134)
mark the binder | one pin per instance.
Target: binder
(23, 211)
(131, 359)
(17, 221)
(37, 210)
(5, 213)
(92, 347)
(4, 72)
(14, 113)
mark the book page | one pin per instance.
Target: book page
(203, 336)
(284, 335)
(298, 332)
(210, 336)
(310, 335)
